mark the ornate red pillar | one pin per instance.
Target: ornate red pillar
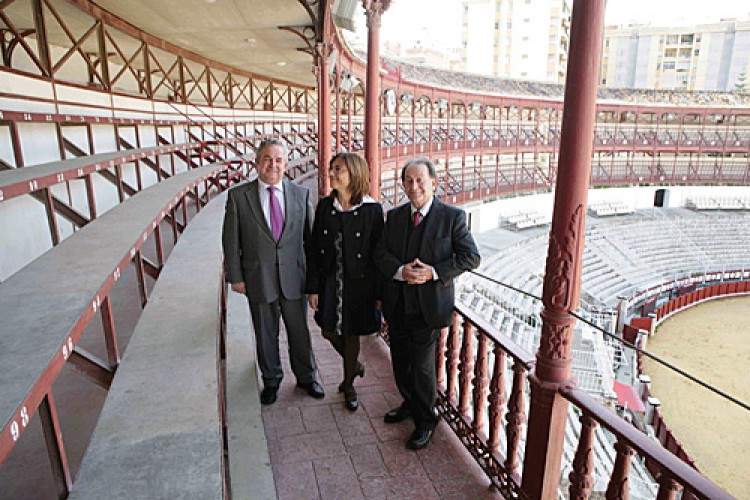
(374, 9)
(337, 90)
(562, 281)
(322, 70)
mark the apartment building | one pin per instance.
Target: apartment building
(519, 39)
(703, 57)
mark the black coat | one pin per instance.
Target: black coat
(447, 245)
(361, 229)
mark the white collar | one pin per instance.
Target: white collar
(263, 186)
(337, 205)
(425, 208)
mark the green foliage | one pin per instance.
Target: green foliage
(741, 86)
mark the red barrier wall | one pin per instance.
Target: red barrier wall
(661, 429)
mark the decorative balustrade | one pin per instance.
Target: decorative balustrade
(482, 378)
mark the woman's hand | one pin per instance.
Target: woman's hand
(312, 299)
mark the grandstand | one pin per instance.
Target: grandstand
(633, 252)
(520, 88)
(114, 132)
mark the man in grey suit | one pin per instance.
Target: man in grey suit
(266, 224)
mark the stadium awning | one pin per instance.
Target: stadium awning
(628, 397)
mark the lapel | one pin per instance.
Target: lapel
(401, 226)
(431, 222)
(290, 205)
(253, 198)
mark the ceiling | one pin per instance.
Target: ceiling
(243, 34)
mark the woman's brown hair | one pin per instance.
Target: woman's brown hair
(359, 175)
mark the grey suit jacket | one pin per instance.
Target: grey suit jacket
(250, 252)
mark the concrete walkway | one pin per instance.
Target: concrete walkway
(321, 450)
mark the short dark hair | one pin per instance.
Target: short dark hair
(420, 160)
(267, 143)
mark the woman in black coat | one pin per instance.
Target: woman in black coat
(342, 280)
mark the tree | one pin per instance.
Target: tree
(741, 85)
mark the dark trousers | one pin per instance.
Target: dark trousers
(413, 356)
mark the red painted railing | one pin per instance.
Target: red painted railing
(473, 359)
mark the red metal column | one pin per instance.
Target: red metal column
(324, 118)
(337, 82)
(562, 281)
(350, 103)
(374, 10)
(110, 335)
(55, 446)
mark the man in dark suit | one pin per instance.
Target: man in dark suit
(266, 224)
(425, 245)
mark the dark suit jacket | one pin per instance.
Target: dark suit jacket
(253, 256)
(447, 246)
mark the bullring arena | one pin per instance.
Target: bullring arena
(710, 339)
(127, 369)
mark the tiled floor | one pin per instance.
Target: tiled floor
(321, 450)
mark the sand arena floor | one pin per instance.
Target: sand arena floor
(712, 342)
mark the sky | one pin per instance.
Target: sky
(410, 20)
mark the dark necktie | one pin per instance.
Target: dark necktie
(417, 218)
(277, 217)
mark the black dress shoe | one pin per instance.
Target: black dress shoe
(397, 415)
(359, 373)
(268, 395)
(420, 438)
(351, 401)
(313, 389)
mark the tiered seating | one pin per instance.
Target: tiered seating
(40, 331)
(718, 202)
(165, 395)
(525, 219)
(623, 256)
(610, 207)
(523, 88)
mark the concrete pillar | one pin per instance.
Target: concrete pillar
(653, 324)
(652, 404)
(642, 340)
(374, 9)
(643, 386)
(622, 311)
(562, 282)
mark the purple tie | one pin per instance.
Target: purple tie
(277, 217)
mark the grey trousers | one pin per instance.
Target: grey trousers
(266, 323)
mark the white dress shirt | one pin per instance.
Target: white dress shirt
(264, 196)
(424, 211)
